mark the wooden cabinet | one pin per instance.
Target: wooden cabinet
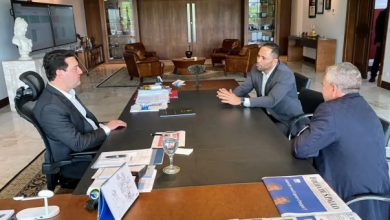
(325, 50)
(268, 21)
(92, 57)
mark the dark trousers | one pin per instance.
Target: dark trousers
(377, 60)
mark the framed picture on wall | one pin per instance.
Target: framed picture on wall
(328, 4)
(312, 8)
(320, 6)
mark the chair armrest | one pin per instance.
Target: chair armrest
(234, 52)
(296, 121)
(54, 168)
(218, 50)
(237, 57)
(83, 156)
(368, 196)
(89, 153)
(150, 54)
(146, 61)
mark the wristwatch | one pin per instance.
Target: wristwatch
(242, 100)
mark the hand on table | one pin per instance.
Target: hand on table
(114, 124)
(227, 96)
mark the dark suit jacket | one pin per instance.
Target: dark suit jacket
(280, 100)
(66, 129)
(346, 138)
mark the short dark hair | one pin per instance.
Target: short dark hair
(274, 47)
(55, 60)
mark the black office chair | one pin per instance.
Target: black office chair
(380, 204)
(301, 81)
(386, 130)
(383, 198)
(310, 100)
(25, 100)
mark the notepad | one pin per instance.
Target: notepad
(172, 112)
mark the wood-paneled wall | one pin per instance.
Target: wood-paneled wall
(163, 25)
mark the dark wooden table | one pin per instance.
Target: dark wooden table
(231, 144)
(207, 85)
(181, 64)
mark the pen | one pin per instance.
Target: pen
(116, 156)
(156, 134)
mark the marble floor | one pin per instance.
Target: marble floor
(21, 142)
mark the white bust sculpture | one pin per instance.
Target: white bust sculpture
(24, 44)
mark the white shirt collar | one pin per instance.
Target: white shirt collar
(68, 95)
(269, 73)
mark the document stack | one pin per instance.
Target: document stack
(151, 98)
(141, 163)
(307, 197)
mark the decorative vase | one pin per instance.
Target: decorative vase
(189, 52)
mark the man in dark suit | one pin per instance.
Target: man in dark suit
(275, 87)
(68, 125)
(346, 139)
(379, 38)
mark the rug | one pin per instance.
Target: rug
(121, 78)
(29, 181)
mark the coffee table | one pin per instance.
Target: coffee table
(181, 64)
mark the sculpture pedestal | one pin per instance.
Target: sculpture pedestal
(13, 69)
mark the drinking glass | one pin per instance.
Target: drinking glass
(170, 144)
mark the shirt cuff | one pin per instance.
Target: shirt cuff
(105, 128)
(247, 102)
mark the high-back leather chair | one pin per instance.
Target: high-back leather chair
(302, 82)
(25, 100)
(310, 100)
(229, 47)
(141, 63)
(243, 61)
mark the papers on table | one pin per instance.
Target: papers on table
(149, 100)
(148, 108)
(178, 83)
(105, 173)
(304, 195)
(6, 214)
(184, 151)
(117, 158)
(108, 164)
(338, 216)
(157, 140)
(145, 184)
(118, 193)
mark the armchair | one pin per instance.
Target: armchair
(139, 49)
(141, 63)
(229, 46)
(25, 100)
(243, 61)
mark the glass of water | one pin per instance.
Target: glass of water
(170, 144)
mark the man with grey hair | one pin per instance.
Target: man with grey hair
(346, 139)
